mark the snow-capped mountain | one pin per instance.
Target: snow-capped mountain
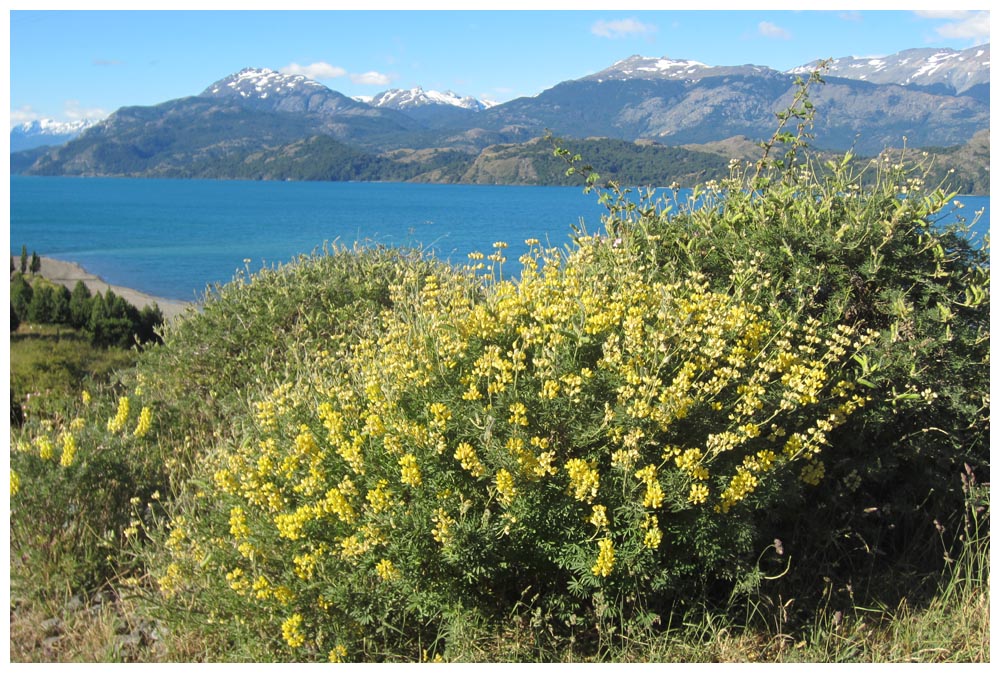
(957, 71)
(261, 83)
(260, 112)
(405, 99)
(46, 132)
(270, 90)
(663, 68)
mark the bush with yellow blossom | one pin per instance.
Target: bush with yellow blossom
(565, 435)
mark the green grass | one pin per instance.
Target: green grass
(52, 362)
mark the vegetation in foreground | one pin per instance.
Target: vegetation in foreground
(749, 426)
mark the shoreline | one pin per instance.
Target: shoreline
(68, 273)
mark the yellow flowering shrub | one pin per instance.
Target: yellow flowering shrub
(564, 428)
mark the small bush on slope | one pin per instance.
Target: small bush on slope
(591, 440)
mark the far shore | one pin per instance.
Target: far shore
(68, 273)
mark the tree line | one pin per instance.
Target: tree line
(107, 318)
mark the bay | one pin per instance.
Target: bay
(175, 238)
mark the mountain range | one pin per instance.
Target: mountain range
(259, 123)
(46, 132)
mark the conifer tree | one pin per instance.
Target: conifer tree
(20, 295)
(79, 305)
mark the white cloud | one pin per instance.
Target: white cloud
(318, 70)
(942, 13)
(73, 111)
(961, 25)
(371, 77)
(768, 29)
(23, 114)
(621, 28)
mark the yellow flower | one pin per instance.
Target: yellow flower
(654, 492)
(443, 526)
(410, 473)
(653, 533)
(698, 494)
(386, 570)
(85, 396)
(549, 390)
(68, 451)
(518, 414)
(15, 483)
(813, 473)
(380, 497)
(238, 523)
(171, 581)
(237, 581)
(583, 479)
(505, 487)
(466, 455)
(605, 558)
(45, 449)
(117, 424)
(145, 422)
(305, 565)
(599, 517)
(440, 415)
(261, 588)
(291, 631)
(336, 502)
(338, 654)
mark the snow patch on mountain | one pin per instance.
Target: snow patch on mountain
(261, 83)
(47, 132)
(664, 68)
(402, 99)
(959, 70)
(645, 67)
(52, 127)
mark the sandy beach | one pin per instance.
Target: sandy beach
(68, 273)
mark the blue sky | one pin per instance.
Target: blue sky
(71, 64)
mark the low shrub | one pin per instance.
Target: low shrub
(590, 440)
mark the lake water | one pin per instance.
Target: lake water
(173, 238)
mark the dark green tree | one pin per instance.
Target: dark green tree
(42, 308)
(60, 305)
(150, 317)
(24, 259)
(20, 295)
(111, 321)
(15, 322)
(79, 305)
(36, 262)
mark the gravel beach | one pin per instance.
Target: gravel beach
(68, 273)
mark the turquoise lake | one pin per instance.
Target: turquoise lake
(174, 238)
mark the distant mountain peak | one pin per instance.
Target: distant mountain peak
(270, 90)
(957, 70)
(47, 132)
(402, 99)
(52, 127)
(261, 83)
(662, 67)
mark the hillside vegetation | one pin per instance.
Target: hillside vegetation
(752, 425)
(645, 162)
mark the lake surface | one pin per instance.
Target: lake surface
(174, 238)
